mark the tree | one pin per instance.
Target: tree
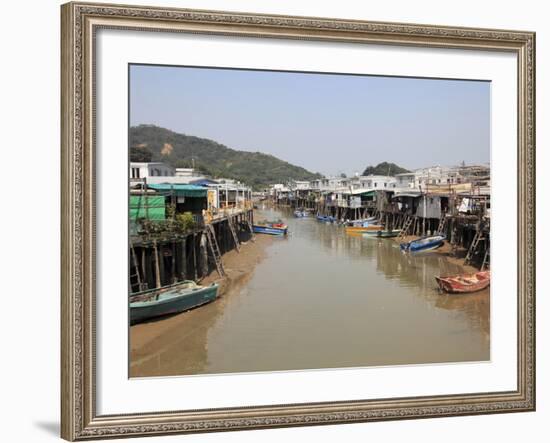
(255, 169)
(384, 168)
(140, 153)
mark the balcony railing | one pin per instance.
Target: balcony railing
(227, 210)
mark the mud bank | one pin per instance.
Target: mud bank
(446, 251)
(154, 345)
(239, 265)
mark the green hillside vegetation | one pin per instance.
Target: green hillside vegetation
(384, 168)
(184, 151)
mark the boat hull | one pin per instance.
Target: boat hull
(361, 222)
(362, 229)
(259, 229)
(423, 244)
(382, 234)
(465, 283)
(171, 301)
(326, 218)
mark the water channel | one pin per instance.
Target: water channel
(324, 299)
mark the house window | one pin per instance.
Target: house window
(385, 185)
(134, 172)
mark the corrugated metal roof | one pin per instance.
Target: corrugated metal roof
(204, 182)
(408, 194)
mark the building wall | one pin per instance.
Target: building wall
(429, 207)
(146, 170)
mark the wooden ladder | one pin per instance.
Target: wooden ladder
(251, 229)
(214, 249)
(234, 233)
(486, 259)
(473, 247)
(406, 226)
(442, 224)
(141, 284)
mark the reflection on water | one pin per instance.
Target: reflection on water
(324, 299)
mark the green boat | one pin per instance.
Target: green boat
(382, 234)
(170, 299)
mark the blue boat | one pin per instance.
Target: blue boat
(423, 244)
(301, 214)
(170, 299)
(326, 218)
(270, 229)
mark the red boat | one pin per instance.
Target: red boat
(461, 284)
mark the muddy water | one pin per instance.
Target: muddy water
(323, 299)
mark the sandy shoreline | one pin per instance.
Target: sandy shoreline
(151, 343)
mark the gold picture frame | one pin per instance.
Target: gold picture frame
(80, 21)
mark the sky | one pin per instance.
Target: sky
(327, 123)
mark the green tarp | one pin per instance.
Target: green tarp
(368, 194)
(180, 190)
(152, 207)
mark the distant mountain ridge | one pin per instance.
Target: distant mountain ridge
(153, 143)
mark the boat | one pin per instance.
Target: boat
(383, 234)
(423, 244)
(464, 283)
(326, 218)
(362, 221)
(271, 228)
(362, 229)
(299, 213)
(171, 299)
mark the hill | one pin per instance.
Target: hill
(184, 151)
(384, 168)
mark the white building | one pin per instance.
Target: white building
(424, 177)
(186, 172)
(301, 185)
(405, 180)
(141, 170)
(433, 175)
(373, 182)
(279, 190)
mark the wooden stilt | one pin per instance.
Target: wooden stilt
(157, 266)
(183, 258)
(136, 267)
(173, 270)
(195, 274)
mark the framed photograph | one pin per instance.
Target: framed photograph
(283, 221)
